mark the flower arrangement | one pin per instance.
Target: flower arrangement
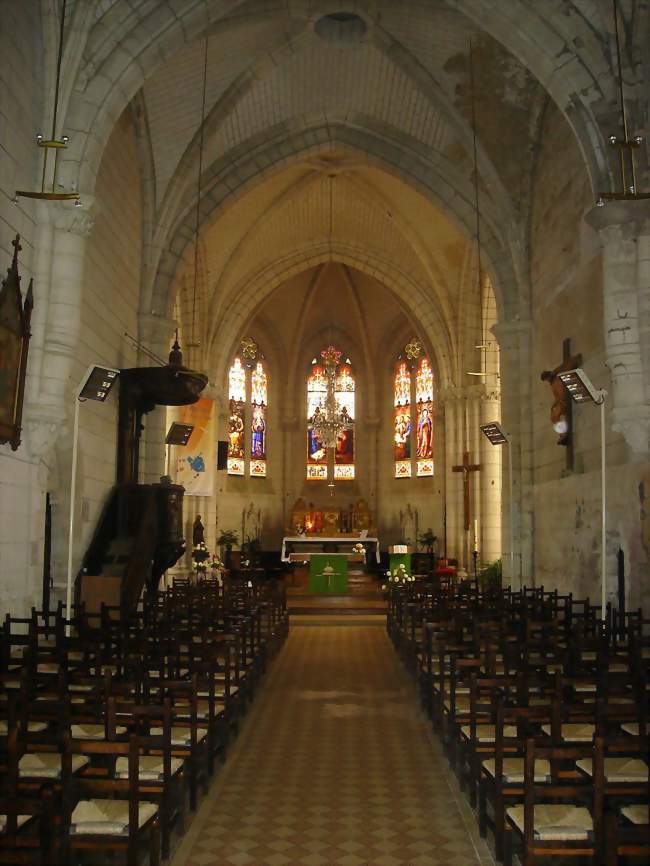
(200, 555)
(398, 577)
(358, 548)
(216, 564)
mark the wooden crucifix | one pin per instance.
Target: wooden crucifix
(561, 410)
(466, 467)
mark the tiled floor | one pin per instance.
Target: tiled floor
(334, 766)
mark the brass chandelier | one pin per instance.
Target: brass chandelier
(330, 419)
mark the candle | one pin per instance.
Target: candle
(475, 534)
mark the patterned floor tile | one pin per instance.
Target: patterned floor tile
(334, 765)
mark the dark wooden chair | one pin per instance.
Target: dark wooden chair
(560, 819)
(26, 819)
(107, 813)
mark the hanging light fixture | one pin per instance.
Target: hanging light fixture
(626, 146)
(330, 419)
(52, 143)
(194, 343)
(477, 211)
(413, 349)
(330, 226)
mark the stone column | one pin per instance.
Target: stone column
(63, 232)
(155, 333)
(465, 410)
(453, 487)
(372, 426)
(624, 232)
(514, 338)
(60, 268)
(493, 482)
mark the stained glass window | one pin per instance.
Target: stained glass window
(316, 453)
(344, 456)
(237, 402)
(402, 421)
(413, 422)
(344, 389)
(259, 397)
(424, 428)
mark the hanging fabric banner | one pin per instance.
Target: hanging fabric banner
(195, 463)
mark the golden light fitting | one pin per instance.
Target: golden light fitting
(413, 349)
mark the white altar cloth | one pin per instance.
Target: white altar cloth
(290, 540)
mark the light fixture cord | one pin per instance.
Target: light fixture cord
(476, 192)
(476, 199)
(198, 187)
(331, 219)
(59, 61)
(620, 68)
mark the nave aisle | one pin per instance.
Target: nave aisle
(335, 765)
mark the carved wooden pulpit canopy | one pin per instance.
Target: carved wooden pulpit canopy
(15, 318)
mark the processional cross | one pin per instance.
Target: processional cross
(466, 467)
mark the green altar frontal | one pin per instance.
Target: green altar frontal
(397, 559)
(335, 583)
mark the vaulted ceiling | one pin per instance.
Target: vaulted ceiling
(342, 131)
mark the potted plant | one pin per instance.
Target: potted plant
(491, 575)
(427, 539)
(228, 539)
(251, 549)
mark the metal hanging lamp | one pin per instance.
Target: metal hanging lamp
(626, 145)
(194, 343)
(52, 144)
(477, 210)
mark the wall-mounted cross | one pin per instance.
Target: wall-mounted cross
(466, 467)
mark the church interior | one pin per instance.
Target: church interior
(324, 432)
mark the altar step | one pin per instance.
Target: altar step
(345, 605)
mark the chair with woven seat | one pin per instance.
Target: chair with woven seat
(627, 834)
(25, 818)
(190, 738)
(107, 813)
(560, 818)
(161, 776)
(501, 777)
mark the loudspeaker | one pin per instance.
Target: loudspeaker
(222, 455)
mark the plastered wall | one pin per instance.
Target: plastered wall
(110, 306)
(566, 301)
(21, 84)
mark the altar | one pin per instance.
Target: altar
(300, 548)
(328, 574)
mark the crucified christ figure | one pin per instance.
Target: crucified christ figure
(561, 408)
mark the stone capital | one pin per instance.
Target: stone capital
(75, 219)
(620, 220)
(156, 332)
(510, 331)
(42, 426)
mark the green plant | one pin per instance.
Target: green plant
(227, 538)
(427, 539)
(491, 574)
(252, 545)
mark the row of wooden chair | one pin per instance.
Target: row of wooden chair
(111, 725)
(541, 705)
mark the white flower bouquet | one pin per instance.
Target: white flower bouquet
(398, 577)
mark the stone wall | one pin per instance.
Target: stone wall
(109, 308)
(567, 301)
(21, 85)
